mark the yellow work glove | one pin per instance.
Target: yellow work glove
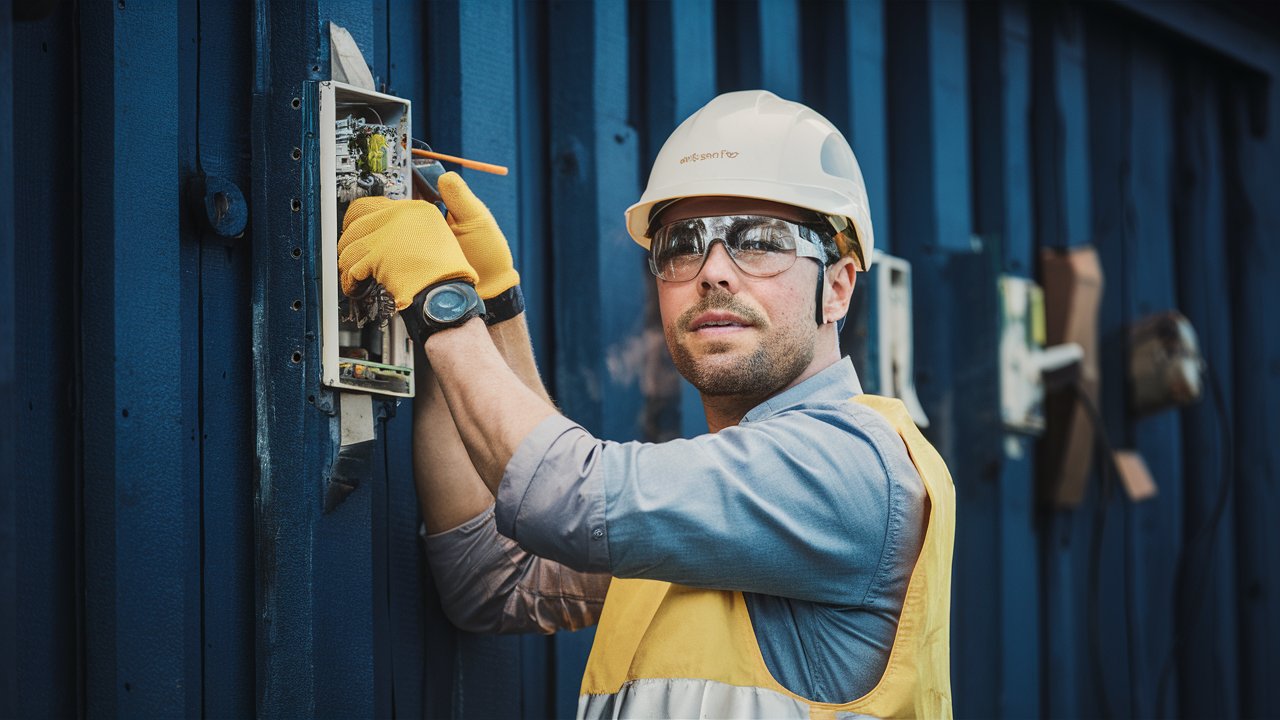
(481, 239)
(404, 244)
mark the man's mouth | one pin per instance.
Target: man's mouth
(717, 322)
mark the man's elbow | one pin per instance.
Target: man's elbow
(486, 621)
(472, 622)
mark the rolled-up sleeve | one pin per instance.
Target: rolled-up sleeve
(489, 584)
(551, 499)
(802, 504)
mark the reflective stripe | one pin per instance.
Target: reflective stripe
(685, 698)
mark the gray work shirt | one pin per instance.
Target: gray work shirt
(810, 506)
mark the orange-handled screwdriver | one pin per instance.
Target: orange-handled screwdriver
(473, 164)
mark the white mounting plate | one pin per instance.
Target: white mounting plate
(896, 360)
(1021, 386)
(397, 345)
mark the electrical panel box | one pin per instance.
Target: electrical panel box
(364, 140)
(893, 331)
(1024, 359)
(1022, 334)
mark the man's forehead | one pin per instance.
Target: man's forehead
(695, 207)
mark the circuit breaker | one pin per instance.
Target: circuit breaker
(364, 142)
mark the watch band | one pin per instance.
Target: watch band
(504, 306)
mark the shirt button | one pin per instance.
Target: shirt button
(597, 533)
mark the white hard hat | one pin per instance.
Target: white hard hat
(754, 144)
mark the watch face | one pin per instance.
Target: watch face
(446, 304)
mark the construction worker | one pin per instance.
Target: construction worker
(793, 562)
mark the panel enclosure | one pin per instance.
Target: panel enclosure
(364, 152)
(895, 350)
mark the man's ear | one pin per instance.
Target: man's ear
(841, 277)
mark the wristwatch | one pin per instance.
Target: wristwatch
(440, 307)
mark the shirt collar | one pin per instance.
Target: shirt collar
(837, 383)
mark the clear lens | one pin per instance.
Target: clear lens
(760, 246)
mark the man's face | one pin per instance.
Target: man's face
(733, 334)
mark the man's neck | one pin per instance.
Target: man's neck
(727, 410)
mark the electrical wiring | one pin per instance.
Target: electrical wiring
(1106, 481)
(1206, 532)
(363, 107)
(1130, 597)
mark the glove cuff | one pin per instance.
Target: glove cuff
(504, 306)
(494, 283)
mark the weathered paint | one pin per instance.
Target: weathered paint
(1060, 124)
(1205, 620)
(295, 437)
(137, 481)
(216, 146)
(867, 115)
(1105, 650)
(777, 46)
(8, 396)
(45, 400)
(1147, 279)
(1252, 145)
(999, 499)
(1019, 560)
(220, 588)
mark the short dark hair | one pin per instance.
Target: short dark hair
(829, 248)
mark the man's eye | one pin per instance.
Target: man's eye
(763, 242)
(761, 246)
(685, 246)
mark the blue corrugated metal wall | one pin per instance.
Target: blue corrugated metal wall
(166, 443)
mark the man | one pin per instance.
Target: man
(796, 560)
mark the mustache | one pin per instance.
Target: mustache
(719, 301)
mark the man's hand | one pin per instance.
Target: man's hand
(480, 237)
(404, 244)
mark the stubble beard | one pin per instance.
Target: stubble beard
(779, 358)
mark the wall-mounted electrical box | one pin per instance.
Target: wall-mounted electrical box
(364, 151)
(1024, 359)
(1021, 335)
(1164, 363)
(892, 330)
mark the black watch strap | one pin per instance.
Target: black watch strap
(504, 306)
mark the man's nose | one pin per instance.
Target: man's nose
(719, 270)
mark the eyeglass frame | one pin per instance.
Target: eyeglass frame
(808, 243)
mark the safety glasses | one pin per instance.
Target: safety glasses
(760, 246)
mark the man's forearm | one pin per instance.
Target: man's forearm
(511, 337)
(450, 491)
(492, 408)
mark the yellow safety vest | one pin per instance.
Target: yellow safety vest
(671, 651)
